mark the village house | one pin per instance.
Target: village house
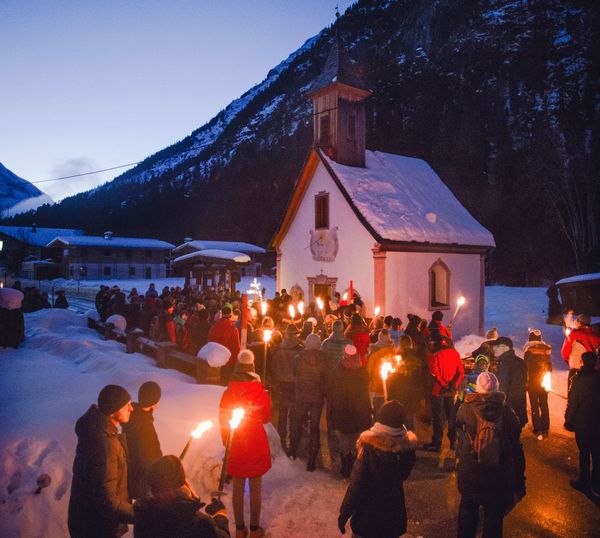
(386, 222)
(85, 257)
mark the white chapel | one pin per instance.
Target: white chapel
(386, 222)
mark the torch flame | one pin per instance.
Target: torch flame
(547, 382)
(292, 311)
(398, 358)
(236, 417)
(461, 301)
(267, 334)
(301, 308)
(201, 428)
(345, 296)
(386, 368)
(377, 310)
(320, 303)
(567, 331)
(263, 308)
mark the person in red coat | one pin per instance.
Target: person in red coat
(448, 371)
(358, 332)
(250, 456)
(224, 332)
(577, 342)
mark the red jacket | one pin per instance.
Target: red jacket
(250, 455)
(223, 332)
(361, 341)
(585, 336)
(447, 369)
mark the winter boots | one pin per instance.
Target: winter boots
(257, 533)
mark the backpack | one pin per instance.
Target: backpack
(488, 444)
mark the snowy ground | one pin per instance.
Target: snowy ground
(48, 383)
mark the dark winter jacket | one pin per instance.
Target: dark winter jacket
(405, 384)
(12, 328)
(486, 483)
(143, 448)
(582, 415)
(349, 399)
(512, 376)
(178, 518)
(375, 497)
(100, 505)
(333, 347)
(311, 376)
(538, 361)
(61, 302)
(283, 363)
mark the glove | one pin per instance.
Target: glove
(342, 523)
(215, 506)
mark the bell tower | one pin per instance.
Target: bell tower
(339, 109)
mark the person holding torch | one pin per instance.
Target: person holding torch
(249, 456)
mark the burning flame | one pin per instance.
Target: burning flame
(345, 296)
(236, 417)
(292, 311)
(398, 358)
(201, 428)
(461, 301)
(547, 382)
(377, 310)
(386, 368)
(263, 308)
(320, 303)
(301, 308)
(267, 334)
(567, 331)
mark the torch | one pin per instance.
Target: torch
(236, 417)
(267, 334)
(301, 308)
(196, 434)
(386, 368)
(377, 311)
(263, 308)
(344, 300)
(292, 311)
(461, 301)
(547, 385)
(320, 305)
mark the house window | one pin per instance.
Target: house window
(83, 270)
(322, 210)
(439, 285)
(324, 131)
(128, 253)
(107, 271)
(131, 270)
(106, 252)
(84, 252)
(352, 127)
(148, 272)
(148, 254)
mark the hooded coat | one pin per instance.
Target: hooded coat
(484, 483)
(334, 346)
(250, 455)
(375, 497)
(582, 415)
(283, 363)
(100, 505)
(349, 397)
(538, 361)
(311, 376)
(512, 376)
(224, 332)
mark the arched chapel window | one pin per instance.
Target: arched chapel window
(439, 286)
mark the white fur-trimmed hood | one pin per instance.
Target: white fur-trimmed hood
(543, 347)
(386, 442)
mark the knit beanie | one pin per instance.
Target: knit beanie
(166, 474)
(112, 398)
(149, 394)
(245, 356)
(391, 414)
(535, 335)
(312, 341)
(487, 382)
(492, 334)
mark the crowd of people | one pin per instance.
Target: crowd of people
(328, 357)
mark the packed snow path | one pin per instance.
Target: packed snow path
(48, 383)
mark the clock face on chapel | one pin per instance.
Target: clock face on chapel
(324, 244)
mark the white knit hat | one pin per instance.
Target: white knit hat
(245, 356)
(487, 382)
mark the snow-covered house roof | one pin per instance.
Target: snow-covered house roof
(587, 278)
(238, 246)
(38, 237)
(113, 242)
(400, 200)
(213, 255)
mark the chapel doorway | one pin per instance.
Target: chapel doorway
(323, 290)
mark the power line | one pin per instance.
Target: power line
(86, 173)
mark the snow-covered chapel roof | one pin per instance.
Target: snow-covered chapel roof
(402, 199)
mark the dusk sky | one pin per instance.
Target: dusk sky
(88, 85)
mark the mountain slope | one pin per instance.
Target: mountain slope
(501, 98)
(18, 195)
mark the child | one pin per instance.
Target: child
(375, 496)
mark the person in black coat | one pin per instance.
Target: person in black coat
(142, 441)
(512, 375)
(538, 362)
(497, 488)
(174, 508)
(350, 405)
(375, 496)
(61, 300)
(582, 416)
